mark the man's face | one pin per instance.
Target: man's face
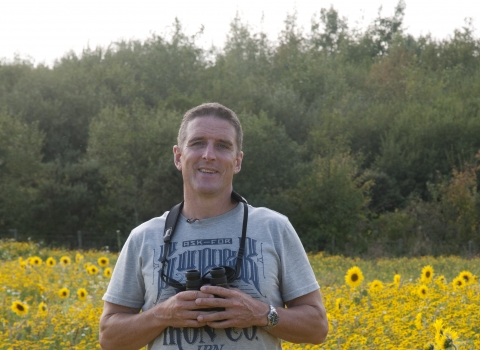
(209, 157)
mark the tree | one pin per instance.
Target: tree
(330, 202)
(133, 147)
(271, 162)
(20, 170)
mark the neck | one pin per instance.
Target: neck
(207, 207)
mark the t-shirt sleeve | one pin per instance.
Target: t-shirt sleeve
(127, 286)
(297, 276)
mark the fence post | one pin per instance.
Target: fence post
(15, 234)
(119, 241)
(470, 247)
(79, 237)
(400, 245)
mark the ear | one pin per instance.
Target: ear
(176, 157)
(238, 162)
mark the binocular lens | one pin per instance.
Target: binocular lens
(218, 277)
(194, 281)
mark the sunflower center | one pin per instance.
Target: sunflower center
(20, 307)
(354, 277)
(428, 274)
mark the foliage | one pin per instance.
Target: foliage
(134, 146)
(21, 170)
(354, 134)
(330, 200)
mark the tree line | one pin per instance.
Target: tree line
(368, 140)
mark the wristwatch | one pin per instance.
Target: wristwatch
(272, 318)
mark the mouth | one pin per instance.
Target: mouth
(207, 171)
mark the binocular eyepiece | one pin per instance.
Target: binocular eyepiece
(194, 279)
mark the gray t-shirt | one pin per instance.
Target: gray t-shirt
(275, 270)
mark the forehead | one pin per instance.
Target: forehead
(210, 127)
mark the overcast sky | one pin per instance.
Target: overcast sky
(44, 30)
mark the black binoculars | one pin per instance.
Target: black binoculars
(195, 281)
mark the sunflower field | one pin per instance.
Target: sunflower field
(51, 299)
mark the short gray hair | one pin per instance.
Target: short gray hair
(212, 109)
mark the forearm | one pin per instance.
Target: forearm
(127, 331)
(303, 321)
(301, 324)
(124, 328)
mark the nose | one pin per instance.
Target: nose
(209, 151)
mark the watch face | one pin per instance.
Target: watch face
(272, 317)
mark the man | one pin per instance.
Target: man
(274, 270)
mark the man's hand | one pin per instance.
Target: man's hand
(125, 328)
(303, 321)
(241, 310)
(181, 310)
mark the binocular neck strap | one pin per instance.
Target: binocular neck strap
(170, 225)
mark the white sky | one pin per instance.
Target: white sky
(44, 30)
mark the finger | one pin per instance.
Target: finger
(193, 294)
(213, 302)
(224, 292)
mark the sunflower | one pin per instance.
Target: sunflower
(63, 293)
(23, 263)
(41, 288)
(65, 260)
(444, 341)
(103, 261)
(338, 304)
(19, 308)
(35, 260)
(51, 262)
(78, 257)
(396, 279)
(422, 291)
(354, 277)
(418, 321)
(82, 294)
(458, 282)
(467, 277)
(438, 325)
(92, 269)
(107, 272)
(427, 274)
(375, 286)
(440, 280)
(42, 309)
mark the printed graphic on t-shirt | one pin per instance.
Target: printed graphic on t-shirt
(203, 255)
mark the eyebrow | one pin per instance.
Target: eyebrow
(200, 138)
